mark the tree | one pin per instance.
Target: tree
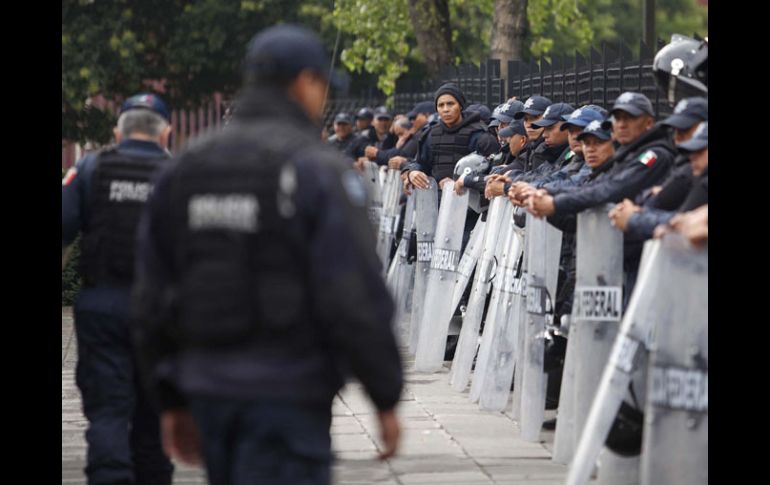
(509, 31)
(187, 49)
(430, 21)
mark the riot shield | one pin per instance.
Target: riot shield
(595, 318)
(431, 341)
(543, 267)
(485, 347)
(468, 262)
(371, 178)
(628, 354)
(401, 275)
(496, 386)
(426, 215)
(391, 194)
(521, 322)
(467, 343)
(676, 413)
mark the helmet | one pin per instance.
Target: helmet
(681, 68)
(473, 164)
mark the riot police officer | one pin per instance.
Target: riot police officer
(102, 198)
(343, 133)
(259, 284)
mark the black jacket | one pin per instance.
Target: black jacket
(349, 308)
(635, 167)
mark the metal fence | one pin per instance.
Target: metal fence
(598, 77)
(186, 124)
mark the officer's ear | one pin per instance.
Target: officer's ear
(118, 135)
(165, 134)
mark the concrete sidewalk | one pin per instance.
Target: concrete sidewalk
(446, 439)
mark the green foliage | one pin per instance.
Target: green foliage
(557, 27)
(192, 48)
(563, 26)
(379, 43)
(471, 29)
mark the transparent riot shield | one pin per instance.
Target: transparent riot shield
(468, 262)
(544, 247)
(485, 346)
(467, 343)
(371, 178)
(434, 327)
(426, 215)
(391, 194)
(403, 279)
(496, 386)
(627, 356)
(595, 318)
(521, 322)
(675, 435)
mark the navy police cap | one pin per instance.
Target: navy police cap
(688, 112)
(285, 50)
(146, 101)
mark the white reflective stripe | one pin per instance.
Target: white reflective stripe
(624, 358)
(680, 388)
(424, 251)
(444, 259)
(236, 212)
(598, 303)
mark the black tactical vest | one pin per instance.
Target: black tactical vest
(240, 257)
(447, 146)
(119, 189)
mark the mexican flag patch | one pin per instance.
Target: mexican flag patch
(71, 173)
(648, 158)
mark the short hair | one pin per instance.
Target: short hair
(144, 121)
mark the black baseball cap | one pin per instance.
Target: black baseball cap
(382, 112)
(554, 114)
(535, 105)
(505, 112)
(633, 103)
(343, 118)
(582, 116)
(515, 128)
(595, 128)
(699, 140)
(146, 101)
(688, 112)
(365, 113)
(422, 107)
(282, 51)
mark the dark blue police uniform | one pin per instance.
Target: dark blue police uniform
(258, 285)
(123, 434)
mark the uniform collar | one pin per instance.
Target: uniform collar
(142, 146)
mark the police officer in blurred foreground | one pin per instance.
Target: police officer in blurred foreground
(102, 197)
(259, 286)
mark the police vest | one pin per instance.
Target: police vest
(448, 145)
(240, 259)
(120, 188)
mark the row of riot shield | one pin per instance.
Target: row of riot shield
(661, 350)
(640, 356)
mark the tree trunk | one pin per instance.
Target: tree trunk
(430, 19)
(510, 30)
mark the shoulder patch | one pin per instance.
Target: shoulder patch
(569, 155)
(354, 187)
(648, 158)
(69, 177)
